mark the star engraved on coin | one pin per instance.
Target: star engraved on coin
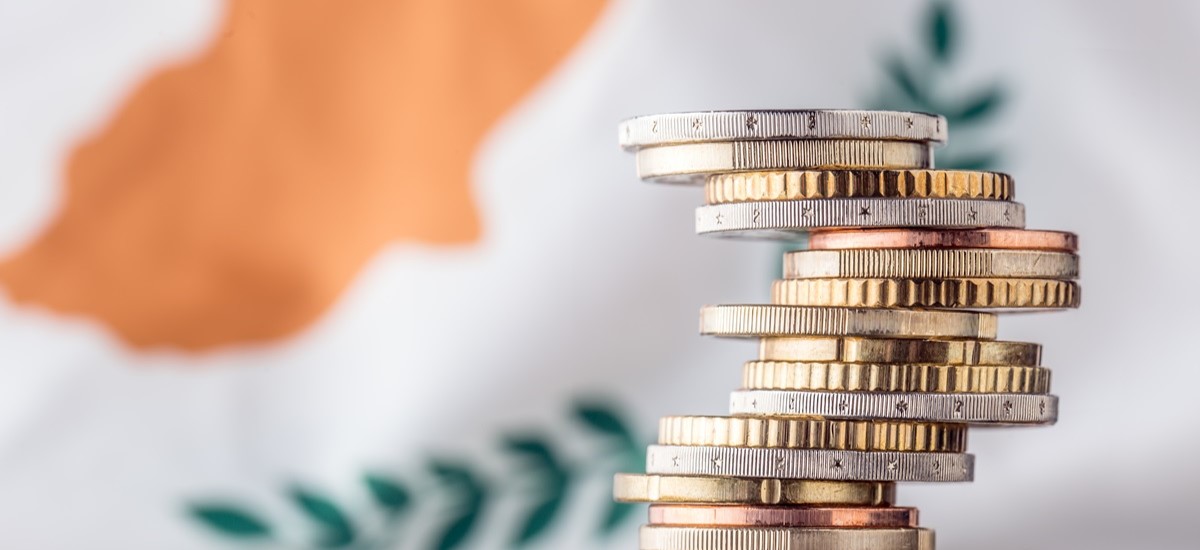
(675, 461)
(751, 122)
(972, 213)
(902, 406)
(1042, 407)
(893, 465)
(866, 122)
(720, 218)
(909, 122)
(697, 124)
(1008, 407)
(837, 464)
(806, 211)
(716, 461)
(864, 211)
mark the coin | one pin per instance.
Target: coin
(944, 238)
(932, 263)
(782, 516)
(845, 184)
(808, 464)
(690, 163)
(782, 320)
(893, 377)
(738, 125)
(974, 408)
(663, 537)
(881, 350)
(811, 433)
(978, 293)
(733, 490)
(786, 219)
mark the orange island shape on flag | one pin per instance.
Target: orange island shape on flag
(231, 198)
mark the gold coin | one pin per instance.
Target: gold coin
(812, 433)
(751, 491)
(875, 377)
(785, 320)
(881, 350)
(935, 263)
(932, 293)
(844, 184)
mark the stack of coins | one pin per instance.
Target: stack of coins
(879, 347)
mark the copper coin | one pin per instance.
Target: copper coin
(969, 238)
(783, 516)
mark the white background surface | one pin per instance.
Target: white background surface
(586, 279)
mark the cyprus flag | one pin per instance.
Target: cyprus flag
(371, 274)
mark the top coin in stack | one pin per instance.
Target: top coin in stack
(687, 147)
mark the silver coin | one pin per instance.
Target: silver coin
(936, 263)
(691, 163)
(669, 128)
(809, 464)
(669, 537)
(786, 219)
(760, 320)
(973, 408)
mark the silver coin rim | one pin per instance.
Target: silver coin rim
(818, 464)
(973, 408)
(732, 125)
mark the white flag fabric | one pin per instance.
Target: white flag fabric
(336, 275)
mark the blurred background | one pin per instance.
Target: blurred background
(366, 274)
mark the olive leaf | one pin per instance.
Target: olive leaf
(472, 496)
(552, 477)
(334, 525)
(230, 520)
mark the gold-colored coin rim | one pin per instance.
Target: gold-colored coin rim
(893, 377)
(750, 491)
(846, 184)
(907, 263)
(850, 349)
(949, 293)
(812, 433)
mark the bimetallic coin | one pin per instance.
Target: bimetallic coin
(811, 433)
(691, 163)
(973, 408)
(777, 516)
(1026, 239)
(779, 320)
(808, 464)
(786, 219)
(881, 350)
(980, 293)
(663, 537)
(733, 490)
(935, 263)
(849, 184)
(740, 125)
(894, 377)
